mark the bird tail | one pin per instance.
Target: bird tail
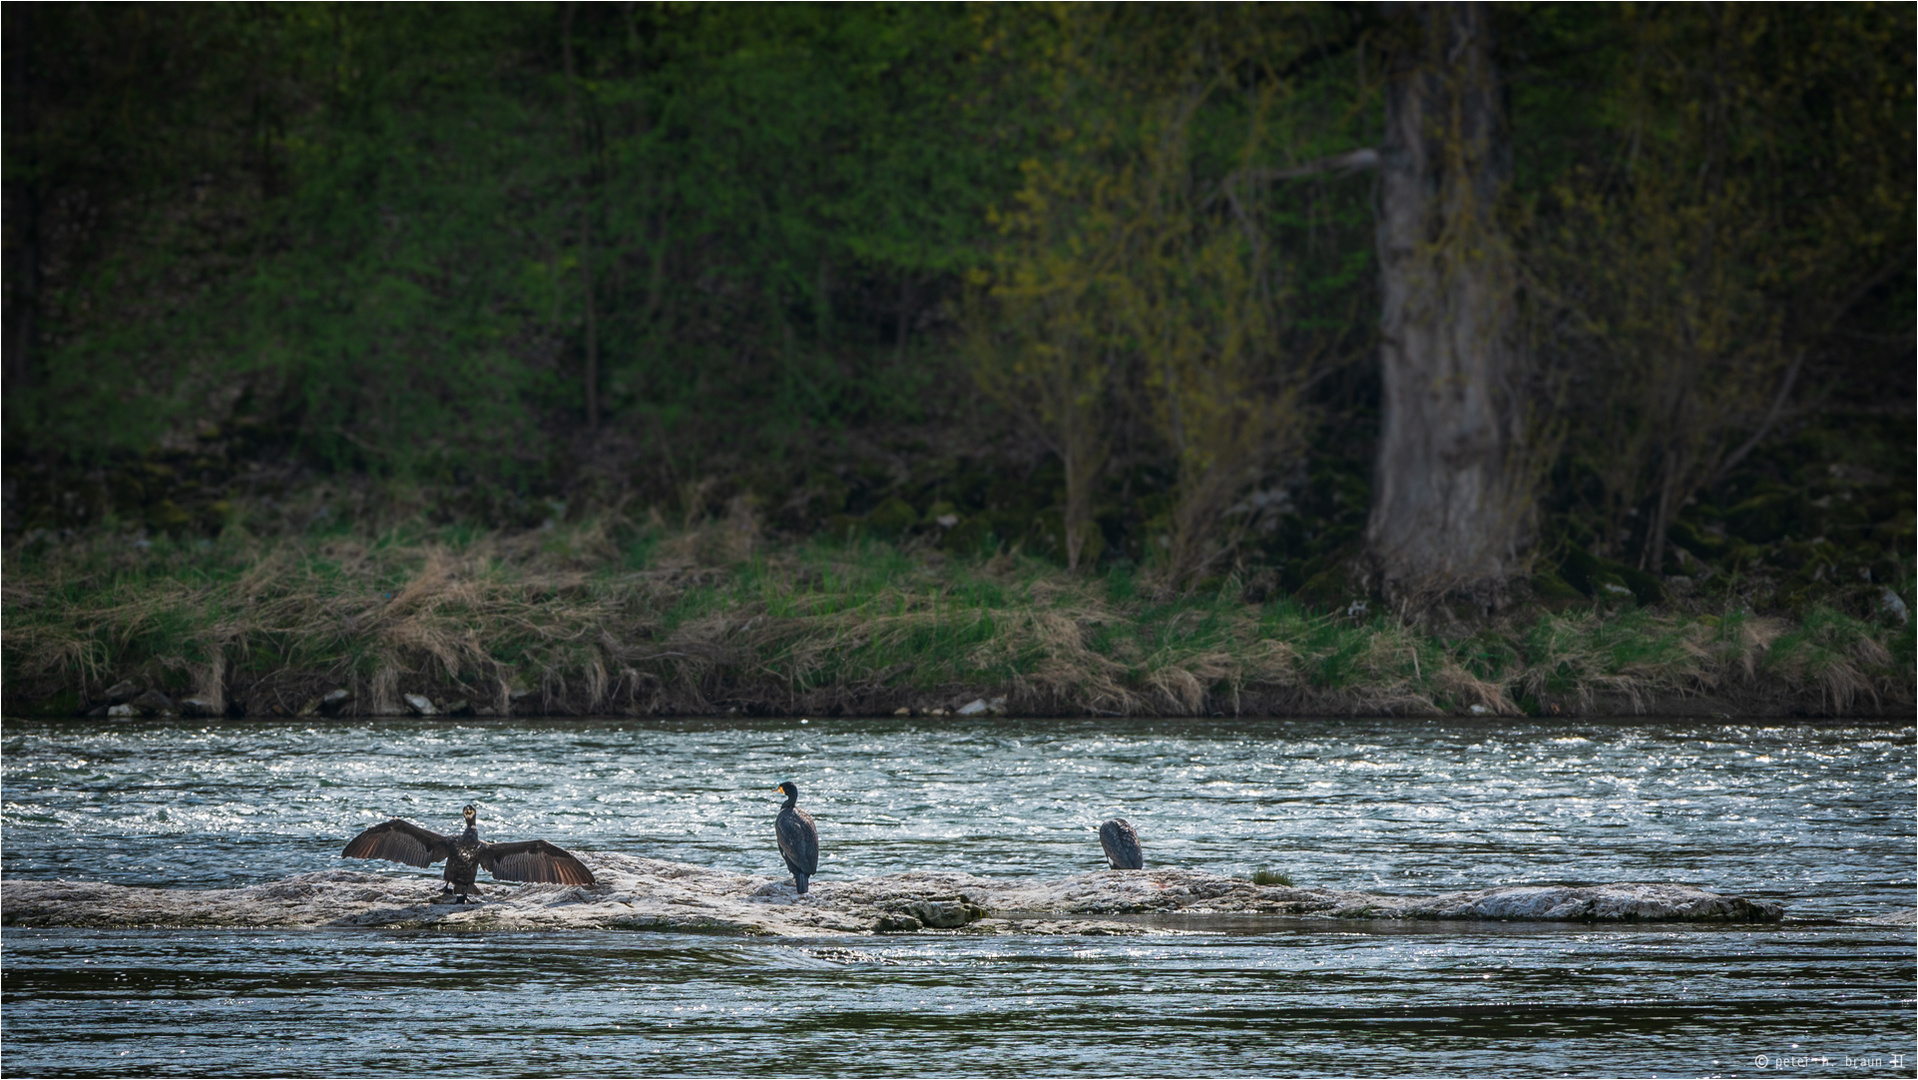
(799, 880)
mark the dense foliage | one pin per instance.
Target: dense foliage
(1086, 280)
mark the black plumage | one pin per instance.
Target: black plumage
(466, 854)
(1121, 843)
(798, 838)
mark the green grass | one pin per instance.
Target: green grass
(608, 617)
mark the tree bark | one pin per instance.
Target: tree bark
(1451, 505)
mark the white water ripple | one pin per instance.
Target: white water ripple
(1817, 817)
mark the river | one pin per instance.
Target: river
(1819, 817)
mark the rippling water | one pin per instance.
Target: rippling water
(1820, 818)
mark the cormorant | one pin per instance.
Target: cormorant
(465, 854)
(1122, 845)
(798, 837)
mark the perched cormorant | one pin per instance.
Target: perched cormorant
(1122, 845)
(465, 854)
(798, 837)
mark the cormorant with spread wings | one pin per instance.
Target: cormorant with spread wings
(465, 854)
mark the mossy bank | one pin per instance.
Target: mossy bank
(609, 617)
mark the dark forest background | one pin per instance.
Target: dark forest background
(1102, 283)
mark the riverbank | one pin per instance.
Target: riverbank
(591, 619)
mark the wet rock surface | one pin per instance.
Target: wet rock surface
(650, 894)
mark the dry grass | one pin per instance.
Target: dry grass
(612, 617)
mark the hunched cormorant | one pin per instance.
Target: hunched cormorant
(1122, 845)
(798, 837)
(523, 860)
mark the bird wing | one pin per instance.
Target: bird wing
(400, 841)
(798, 840)
(1121, 845)
(534, 860)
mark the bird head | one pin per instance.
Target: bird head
(789, 789)
(469, 813)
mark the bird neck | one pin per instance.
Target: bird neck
(791, 801)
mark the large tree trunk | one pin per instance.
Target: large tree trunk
(1451, 502)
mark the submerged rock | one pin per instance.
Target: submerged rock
(1905, 917)
(1598, 903)
(650, 894)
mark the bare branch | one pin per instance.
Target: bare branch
(1350, 161)
(1784, 391)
